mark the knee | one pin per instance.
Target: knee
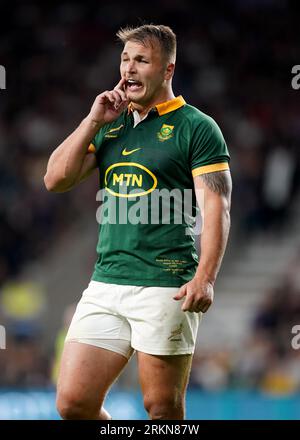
(164, 407)
(72, 407)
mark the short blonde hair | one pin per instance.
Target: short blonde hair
(148, 33)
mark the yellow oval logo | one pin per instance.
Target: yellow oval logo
(135, 179)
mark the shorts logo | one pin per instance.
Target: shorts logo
(165, 133)
(176, 333)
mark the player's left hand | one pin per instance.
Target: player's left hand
(198, 295)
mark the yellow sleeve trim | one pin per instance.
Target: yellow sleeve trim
(92, 148)
(210, 168)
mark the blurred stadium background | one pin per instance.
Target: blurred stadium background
(234, 63)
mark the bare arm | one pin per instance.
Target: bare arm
(71, 163)
(216, 217)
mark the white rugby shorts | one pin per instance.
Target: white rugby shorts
(124, 318)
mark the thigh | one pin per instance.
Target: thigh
(97, 320)
(86, 372)
(163, 377)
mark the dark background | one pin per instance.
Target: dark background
(234, 62)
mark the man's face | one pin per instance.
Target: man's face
(144, 71)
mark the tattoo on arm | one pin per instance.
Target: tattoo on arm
(218, 182)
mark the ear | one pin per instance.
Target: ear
(169, 71)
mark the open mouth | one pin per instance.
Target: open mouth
(133, 85)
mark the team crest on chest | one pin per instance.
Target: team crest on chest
(165, 133)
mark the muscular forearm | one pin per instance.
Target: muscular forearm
(66, 161)
(70, 163)
(216, 189)
(213, 238)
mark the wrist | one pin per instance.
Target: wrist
(93, 123)
(203, 276)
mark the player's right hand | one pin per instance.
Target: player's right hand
(109, 105)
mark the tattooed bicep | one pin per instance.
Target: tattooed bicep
(218, 182)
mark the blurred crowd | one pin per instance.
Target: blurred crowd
(269, 357)
(234, 63)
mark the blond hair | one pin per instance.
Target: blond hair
(148, 34)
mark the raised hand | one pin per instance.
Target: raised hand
(109, 104)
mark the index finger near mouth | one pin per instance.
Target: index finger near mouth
(120, 84)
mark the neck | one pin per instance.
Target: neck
(165, 95)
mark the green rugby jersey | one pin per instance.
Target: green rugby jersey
(142, 162)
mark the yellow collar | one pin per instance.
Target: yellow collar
(165, 107)
(170, 106)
